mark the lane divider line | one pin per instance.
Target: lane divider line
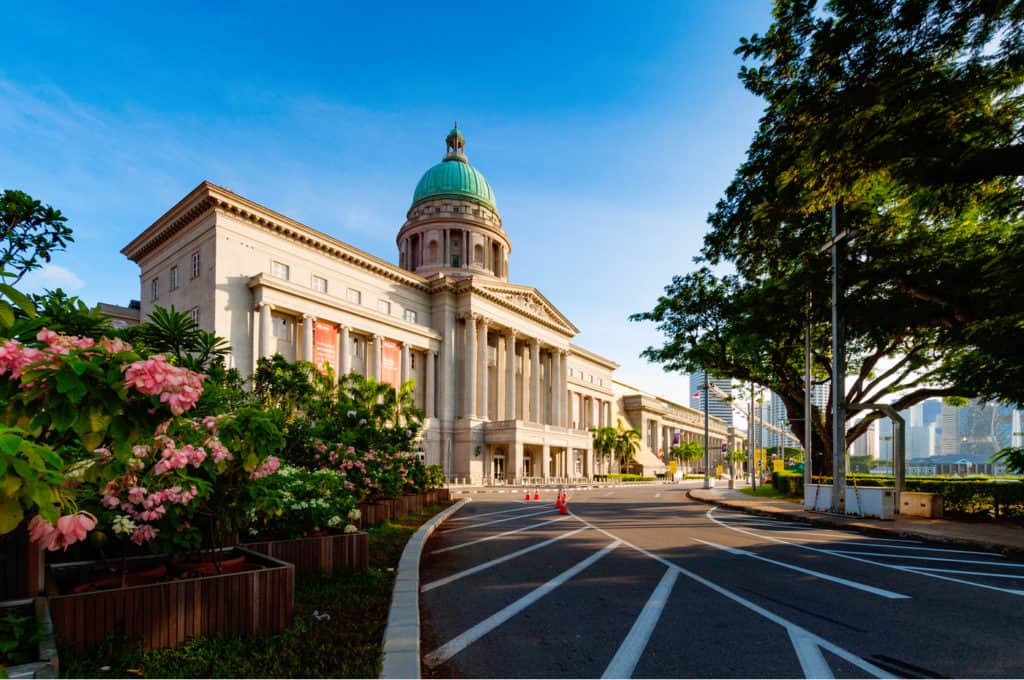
(494, 536)
(459, 643)
(896, 567)
(624, 662)
(488, 514)
(497, 521)
(969, 573)
(1008, 565)
(789, 626)
(881, 592)
(487, 565)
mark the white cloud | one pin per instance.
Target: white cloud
(50, 277)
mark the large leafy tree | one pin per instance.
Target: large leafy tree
(30, 233)
(907, 114)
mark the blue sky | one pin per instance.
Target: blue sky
(607, 130)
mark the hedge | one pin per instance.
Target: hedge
(961, 496)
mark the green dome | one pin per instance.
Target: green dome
(454, 177)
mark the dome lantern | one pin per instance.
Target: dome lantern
(455, 145)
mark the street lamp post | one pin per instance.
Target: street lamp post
(707, 443)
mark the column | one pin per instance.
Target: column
(592, 413)
(469, 368)
(499, 375)
(266, 329)
(545, 462)
(406, 373)
(564, 359)
(557, 395)
(510, 375)
(375, 367)
(345, 358)
(428, 388)
(534, 415)
(307, 337)
(588, 463)
(482, 352)
(517, 459)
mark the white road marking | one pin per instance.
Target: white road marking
(897, 567)
(459, 643)
(626, 658)
(859, 544)
(812, 661)
(969, 573)
(494, 536)
(835, 579)
(854, 537)
(807, 637)
(496, 521)
(657, 495)
(487, 565)
(1010, 565)
(487, 514)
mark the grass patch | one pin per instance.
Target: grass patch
(768, 491)
(348, 645)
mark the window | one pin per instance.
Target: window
(154, 289)
(455, 260)
(319, 284)
(282, 328)
(279, 270)
(195, 265)
(194, 314)
(591, 378)
(354, 296)
(174, 278)
(410, 315)
(383, 306)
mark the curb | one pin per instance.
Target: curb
(854, 525)
(402, 636)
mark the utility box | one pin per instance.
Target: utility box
(920, 504)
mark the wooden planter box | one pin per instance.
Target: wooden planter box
(319, 554)
(444, 495)
(21, 565)
(46, 664)
(168, 613)
(374, 513)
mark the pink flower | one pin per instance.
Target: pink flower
(177, 387)
(14, 357)
(140, 451)
(268, 467)
(110, 502)
(143, 533)
(218, 450)
(136, 494)
(42, 532)
(73, 528)
(115, 345)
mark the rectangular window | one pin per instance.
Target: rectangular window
(354, 296)
(455, 261)
(383, 306)
(319, 284)
(154, 289)
(174, 278)
(282, 328)
(410, 315)
(194, 314)
(195, 265)
(280, 270)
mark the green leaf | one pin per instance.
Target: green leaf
(11, 514)
(11, 486)
(6, 314)
(18, 298)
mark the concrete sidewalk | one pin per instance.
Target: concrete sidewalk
(1005, 538)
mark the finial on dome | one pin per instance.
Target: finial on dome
(455, 145)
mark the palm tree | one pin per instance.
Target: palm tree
(627, 443)
(604, 441)
(688, 452)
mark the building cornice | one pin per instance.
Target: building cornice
(502, 294)
(591, 356)
(209, 196)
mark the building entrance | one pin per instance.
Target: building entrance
(499, 466)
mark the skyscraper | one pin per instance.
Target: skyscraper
(717, 406)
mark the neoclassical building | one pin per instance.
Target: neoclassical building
(505, 391)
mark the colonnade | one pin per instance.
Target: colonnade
(343, 360)
(549, 405)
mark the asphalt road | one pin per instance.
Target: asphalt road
(643, 582)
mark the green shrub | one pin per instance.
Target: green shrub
(788, 483)
(623, 477)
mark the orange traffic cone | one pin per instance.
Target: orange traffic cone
(558, 499)
(527, 494)
(564, 510)
(536, 495)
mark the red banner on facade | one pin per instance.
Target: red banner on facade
(325, 345)
(390, 360)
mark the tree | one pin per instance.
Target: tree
(177, 335)
(906, 114)
(627, 443)
(604, 441)
(688, 452)
(30, 233)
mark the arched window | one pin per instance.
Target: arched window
(433, 254)
(478, 254)
(496, 259)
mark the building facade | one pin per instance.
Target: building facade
(506, 393)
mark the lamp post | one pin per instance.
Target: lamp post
(707, 442)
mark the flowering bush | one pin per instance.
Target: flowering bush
(305, 502)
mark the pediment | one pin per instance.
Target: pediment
(529, 302)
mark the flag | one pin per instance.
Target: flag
(696, 395)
